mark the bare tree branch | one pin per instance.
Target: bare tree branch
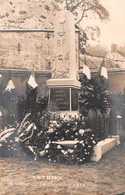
(74, 7)
(85, 10)
(67, 5)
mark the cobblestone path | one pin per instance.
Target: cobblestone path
(18, 177)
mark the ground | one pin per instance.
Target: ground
(19, 177)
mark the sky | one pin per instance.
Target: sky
(113, 30)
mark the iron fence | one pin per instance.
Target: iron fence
(46, 119)
(102, 123)
(102, 127)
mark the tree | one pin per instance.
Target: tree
(81, 10)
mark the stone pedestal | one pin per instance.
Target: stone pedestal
(64, 86)
(63, 95)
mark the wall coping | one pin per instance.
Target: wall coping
(110, 70)
(49, 72)
(28, 30)
(25, 72)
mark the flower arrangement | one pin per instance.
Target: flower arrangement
(66, 139)
(67, 128)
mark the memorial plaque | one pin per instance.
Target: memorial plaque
(60, 99)
(74, 99)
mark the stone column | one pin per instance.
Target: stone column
(64, 84)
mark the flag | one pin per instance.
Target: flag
(86, 71)
(32, 81)
(104, 72)
(10, 86)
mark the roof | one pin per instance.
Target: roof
(120, 60)
(112, 61)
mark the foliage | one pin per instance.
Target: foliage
(79, 154)
(32, 103)
(80, 8)
(70, 130)
(9, 144)
(9, 104)
(30, 135)
(92, 96)
(63, 129)
(14, 108)
(30, 139)
(19, 141)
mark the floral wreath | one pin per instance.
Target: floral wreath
(69, 129)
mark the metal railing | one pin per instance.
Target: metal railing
(102, 127)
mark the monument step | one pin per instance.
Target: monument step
(67, 143)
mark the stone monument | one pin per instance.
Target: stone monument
(63, 86)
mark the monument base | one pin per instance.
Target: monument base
(103, 146)
(63, 95)
(63, 83)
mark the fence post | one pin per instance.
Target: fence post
(0, 121)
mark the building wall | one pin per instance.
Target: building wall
(20, 78)
(117, 82)
(27, 14)
(26, 49)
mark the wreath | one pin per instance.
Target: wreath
(68, 129)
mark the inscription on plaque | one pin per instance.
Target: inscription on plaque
(60, 99)
(74, 99)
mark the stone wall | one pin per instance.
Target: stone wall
(26, 49)
(27, 14)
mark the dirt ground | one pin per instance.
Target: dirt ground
(19, 177)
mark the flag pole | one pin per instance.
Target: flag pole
(85, 65)
(33, 72)
(98, 74)
(85, 60)
(32, 81)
